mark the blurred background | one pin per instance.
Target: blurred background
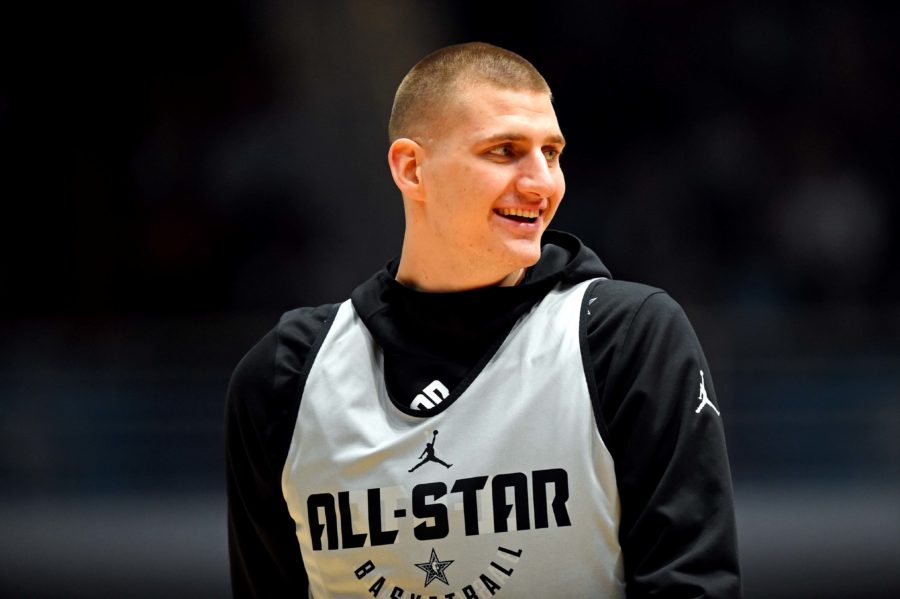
(176, 175)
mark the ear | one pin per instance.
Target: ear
(404, 158)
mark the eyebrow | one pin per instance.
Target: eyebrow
(511, 136)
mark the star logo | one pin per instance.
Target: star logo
(434, 568)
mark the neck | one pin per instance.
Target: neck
(447, 274)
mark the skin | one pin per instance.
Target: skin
(491, 149)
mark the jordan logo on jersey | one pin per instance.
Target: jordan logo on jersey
(429, 456)
(704, 399)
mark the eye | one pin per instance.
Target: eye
(501, 151)
(551, 154)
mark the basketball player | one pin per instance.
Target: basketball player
(577, 411)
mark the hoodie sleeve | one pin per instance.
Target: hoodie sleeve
(261, 409)
(662, 424)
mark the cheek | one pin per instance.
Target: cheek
(561, 185)
(560, 190)
(466, 199)
(478, 190)
(556, 200)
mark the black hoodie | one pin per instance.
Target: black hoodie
(446, 336)
(641, 359)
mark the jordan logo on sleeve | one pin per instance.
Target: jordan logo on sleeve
(704, 399)
(429, 456)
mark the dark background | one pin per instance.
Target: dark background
(174, 176)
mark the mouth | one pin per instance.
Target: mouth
(518, 215)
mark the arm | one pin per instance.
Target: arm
(677, 528)
(261, 407)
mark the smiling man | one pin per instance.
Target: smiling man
(491, 414)
(480, 177)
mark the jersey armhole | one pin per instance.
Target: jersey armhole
(590, 376)
(283, 433)
(313, 352)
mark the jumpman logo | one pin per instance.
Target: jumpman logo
(429, 456)
(704, 399)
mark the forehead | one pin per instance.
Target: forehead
(481, 111)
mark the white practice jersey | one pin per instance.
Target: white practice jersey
(507, 491)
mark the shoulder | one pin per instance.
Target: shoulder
(266, 380)
(622, 312)
(298, 330)
(286, 344)
(622, 304)
(631, 328)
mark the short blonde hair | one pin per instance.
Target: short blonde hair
(423, 92)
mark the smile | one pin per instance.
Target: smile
(518, 215)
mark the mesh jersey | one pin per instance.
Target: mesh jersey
(388, 504)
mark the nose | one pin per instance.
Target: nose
(536, 178)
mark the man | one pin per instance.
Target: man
(587, 449)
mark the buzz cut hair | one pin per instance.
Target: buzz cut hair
(423, 93)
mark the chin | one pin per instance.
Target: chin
(525, 253)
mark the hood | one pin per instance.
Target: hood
(427, 336)
(565, 258)
(403, 317)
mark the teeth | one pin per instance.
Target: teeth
(519, 212)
